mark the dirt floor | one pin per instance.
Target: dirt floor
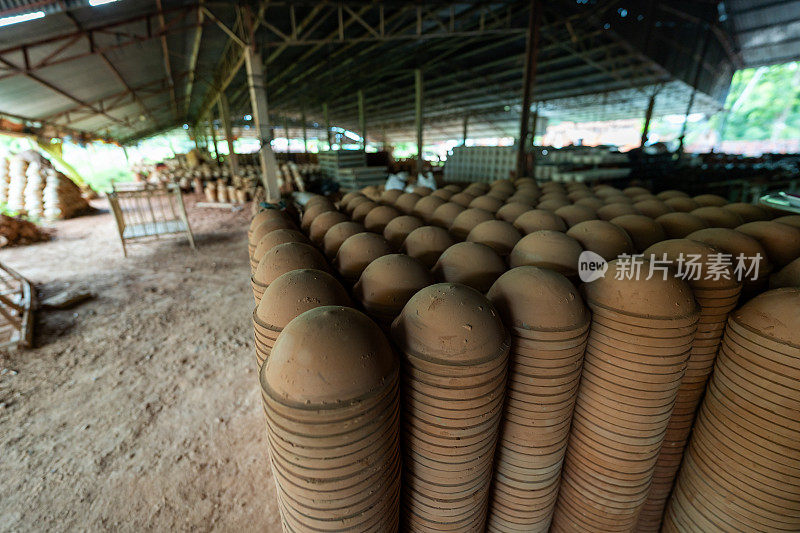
(138, 409)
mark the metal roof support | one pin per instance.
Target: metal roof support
(418, 116)
(165, 52)
(695, 80)
(327, 120)
(258, 101)
(195, 53)
(362, 120)
(647, 117)
(225, 114)
(531, 56)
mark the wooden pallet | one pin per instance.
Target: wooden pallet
(17, 306)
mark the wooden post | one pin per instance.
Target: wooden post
(225, 114)
(258, 102)
(418, 122)
(531, 57)
(695, 81)
(213, 139)
(466, 124)
(327, 124)
(362, 120)
(286, 129)
(305, 132)
(647, 118)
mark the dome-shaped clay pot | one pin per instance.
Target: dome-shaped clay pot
(502, 185)
(575, 214)
(338, 234)
(295, 292)
(349, 197)
(682, 204)
(735, 243)
(445, 214)
(510, 211)
(444, 194)
(269, 226)
(450, 323)
(355, 202)
(536, 298)
(398, 229)
(782, 242)
(702, 255)
(499, 235)
(425, 208)
(372, 192)
(666, 195)
(612, 211)
(427, 244)
(552, 186)
(717, 217)
(548, 249)
(498, 195)
(710, 200)
(274, 238)
(264, 215)
(774, 315)
(318, 199)
(789, 220)
(523, 197)
(579, 194)
(635, 191)
(552, 204)
(604, 191)
(389, 282)
(479, 187)
(645, 198)
(669, 298)
(652, 208)
(748, 212)
(361, 211)
(390, 196)
(377, 219)
(469, 263)
(406, 202)
(789, 276)
(463, 199)
(468, 219)
(644, 231)
(311, 213)
(422, 191)
(607, 240)
(287, 257)
(323, 223)
(357, 252)
(357, 359)
(487, 203)
(678, 225)
(538, 220)
(592, 202)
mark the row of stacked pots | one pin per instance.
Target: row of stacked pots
(503, 426)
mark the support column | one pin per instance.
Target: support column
(647, 118)
(286, 129)
(418, 122)
(535, 121)
(305, 132)
(466, 125)
(362, 120)
(213, 139)
(258, 102)
(327, 120)
(698, 69)
(225, 114)
(531, 58)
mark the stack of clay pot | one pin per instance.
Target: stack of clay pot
(387, 284)
(289, 296)
(454, 351)
(549, 325)
(262, 223)
(469, 263)
(4, 177)
(16, 183)
(330, 393)
(284, 258)
(34, 184)
(717, 292)
(741, 470)
(272, 239)
(639, 341)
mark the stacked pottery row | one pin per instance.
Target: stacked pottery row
(639, 342)
(741, 470)
(454, 352)
(549, 325)
(716, 291)
(330, 394)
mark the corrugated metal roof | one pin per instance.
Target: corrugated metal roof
(767, 31)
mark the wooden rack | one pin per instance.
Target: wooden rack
(17, 304)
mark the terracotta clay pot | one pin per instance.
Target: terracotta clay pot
(406, 202)
(604, 238)
(360, 212)
(487, 203)
(427, 243)
(717, 217)
(445, 214)
(357, 252)
(469, 263)
(463, 199)
(398, 229)
(510, 211)
(575, 214)
(497, 234)
(781, 242)
(710, 200)
(679, 225)
(322, 223)
(272, 239)
(537, 220)
(652, 208)
(789, 220)
(644, 231)
(425, 208)
(377, 219)
(548, 249)
(389, 197)
(682, 204)
(666, 195)
(284, 258)
(313, 212)
(748, 212)
(337, 234)
(788, 276)
(467, 220)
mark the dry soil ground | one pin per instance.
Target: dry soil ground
(137, 410)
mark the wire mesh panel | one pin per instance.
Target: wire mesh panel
(143, 210)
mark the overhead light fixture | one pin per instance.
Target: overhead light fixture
(95, 3)
(16, 19)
